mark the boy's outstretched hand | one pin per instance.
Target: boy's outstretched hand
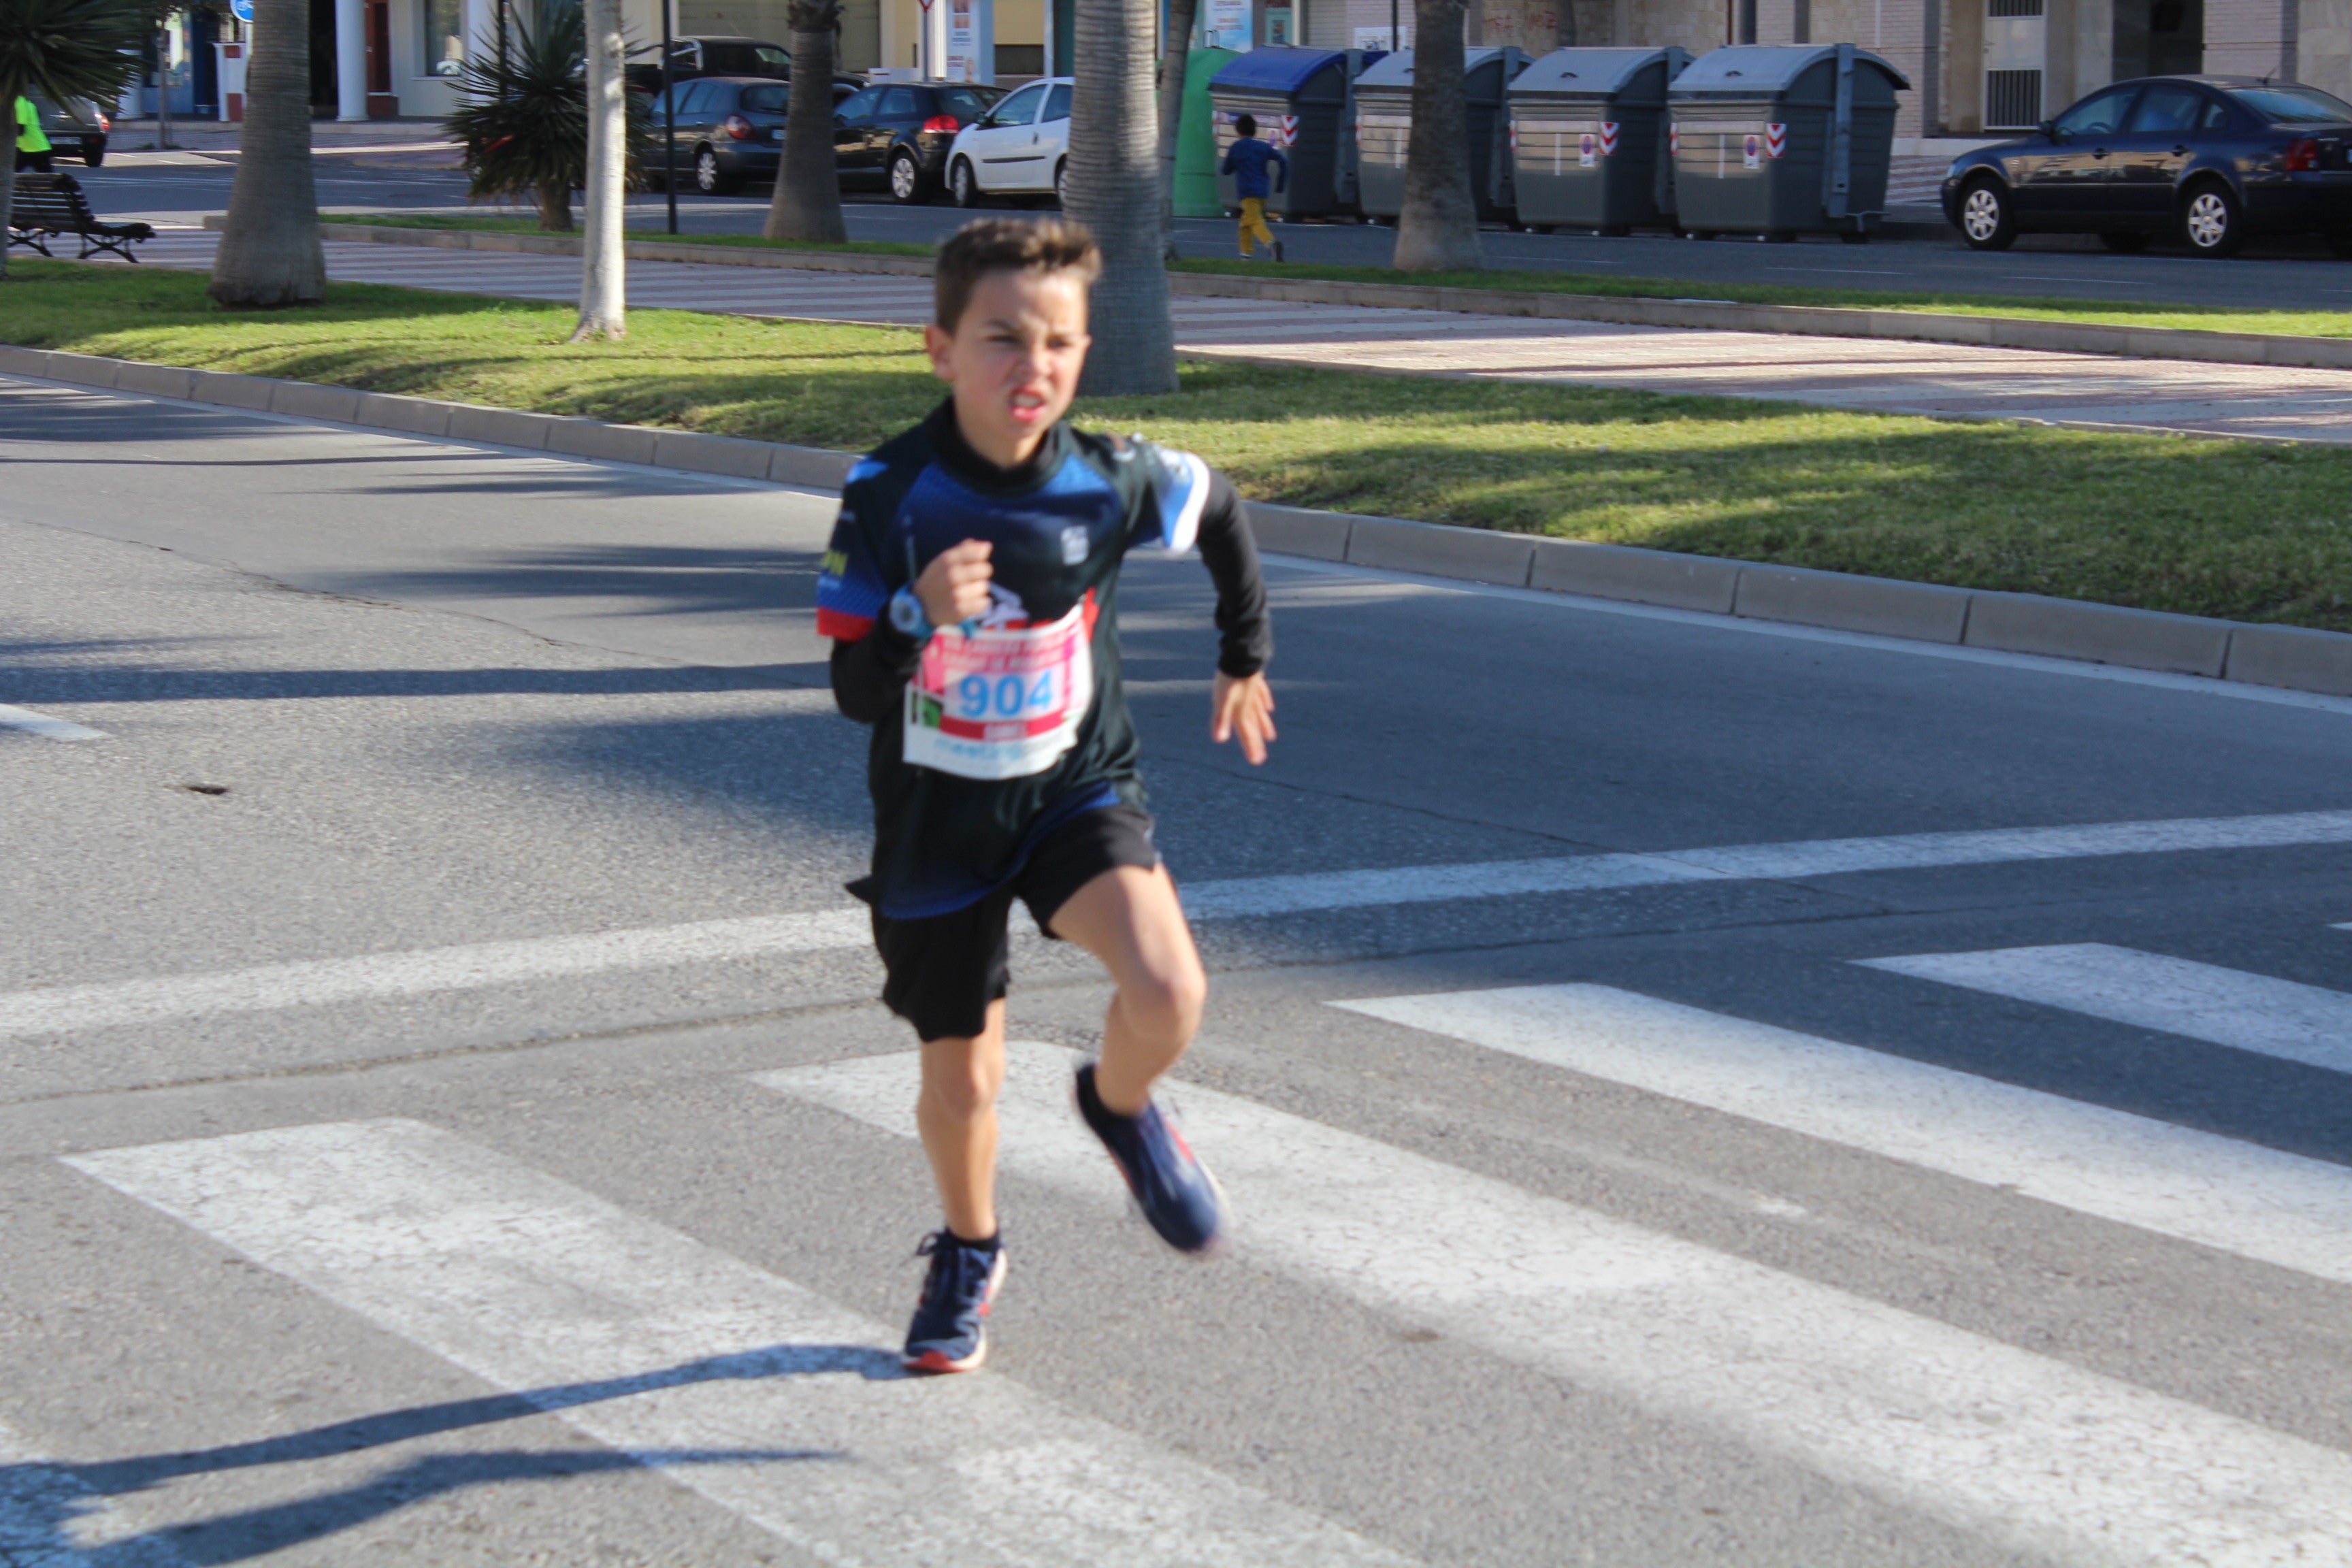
(1244, 706)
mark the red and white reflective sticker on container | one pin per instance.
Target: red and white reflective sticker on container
(1775, 140)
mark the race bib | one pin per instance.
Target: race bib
(1000, 703)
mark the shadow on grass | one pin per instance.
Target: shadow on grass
(2215, 528)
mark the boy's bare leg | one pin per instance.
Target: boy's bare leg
(1130, 920)
(957, 1114)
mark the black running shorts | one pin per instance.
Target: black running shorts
(945, 970)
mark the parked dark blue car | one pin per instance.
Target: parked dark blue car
(2207, 161)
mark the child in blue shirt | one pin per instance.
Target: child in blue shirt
(1245, 161)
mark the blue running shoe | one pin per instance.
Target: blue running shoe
(950, 1332)
(1178, 1198)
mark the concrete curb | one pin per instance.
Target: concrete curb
(2290, 657)
(1805, 320)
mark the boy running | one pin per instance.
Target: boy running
(971, 594)
(1245, 161)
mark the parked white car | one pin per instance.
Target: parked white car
(1019, 148)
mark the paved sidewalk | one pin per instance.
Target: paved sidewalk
(1846, 373)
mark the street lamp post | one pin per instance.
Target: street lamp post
(669, 116)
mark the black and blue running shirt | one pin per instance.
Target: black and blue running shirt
(992, 734)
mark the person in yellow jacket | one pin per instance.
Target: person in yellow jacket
(32, 142)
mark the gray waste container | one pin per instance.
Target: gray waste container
(1303, 100)
(1589, 140)
(1778, 141)
(1384, 124)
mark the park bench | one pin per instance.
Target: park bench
(52, 205)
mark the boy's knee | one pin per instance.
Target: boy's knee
(963, 1088)
(1167, 1005)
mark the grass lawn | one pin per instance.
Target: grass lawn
(2216, 528)
(2116, 312)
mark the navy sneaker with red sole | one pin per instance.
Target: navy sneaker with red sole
(950, 1332)
(1177, 1196)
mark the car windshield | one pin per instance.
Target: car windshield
(765, 99)
(1021, 107)
(2286, 105)
(2099, 116)
(962, 102)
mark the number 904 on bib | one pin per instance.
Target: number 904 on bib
(1000, 703)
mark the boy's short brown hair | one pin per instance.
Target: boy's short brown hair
(1006, 245)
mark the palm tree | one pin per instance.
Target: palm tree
(807, 200)
(1174, 62)
(603, 289)
(64, 50)
(269, 253)
(1437, 229)
(524, 120)
(1114, 189)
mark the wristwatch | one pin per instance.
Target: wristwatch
(907, 615)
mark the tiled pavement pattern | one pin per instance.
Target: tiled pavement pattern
(1847, 373)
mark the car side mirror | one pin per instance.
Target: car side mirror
(2049, 129)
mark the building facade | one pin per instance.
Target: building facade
(1977, 66)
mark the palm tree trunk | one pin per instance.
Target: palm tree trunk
(9, 92)
(1173, 64)
(555, 206)
(269, 254)
(1115, 190)
(807, 200)
(1437, 231)
(603, 309)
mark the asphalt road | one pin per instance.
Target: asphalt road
(1880, 1172)
(2286, 274)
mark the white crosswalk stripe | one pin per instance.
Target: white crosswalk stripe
(2283, 1018)
(761, 1396)
(2051, 1462)
(59, 1009)
(2175, 1180)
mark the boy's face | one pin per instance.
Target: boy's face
(1012, 361)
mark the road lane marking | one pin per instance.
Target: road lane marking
(431, 970)
(2196, 1187)
(2284, 1018)
(319, 981)
(33, 724)
(763, 1397)
(2048, 1459)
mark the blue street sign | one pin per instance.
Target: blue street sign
(242, 10)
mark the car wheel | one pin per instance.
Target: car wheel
(93, 154)
(1062, 186)
(709, 178)
(907, 183)
(1987, 220)
(2125, 241)
(962, 185)
(2210, 223)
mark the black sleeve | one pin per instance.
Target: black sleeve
(1230, 551)
(868, 673)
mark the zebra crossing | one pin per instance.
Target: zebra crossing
(785, 1407)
